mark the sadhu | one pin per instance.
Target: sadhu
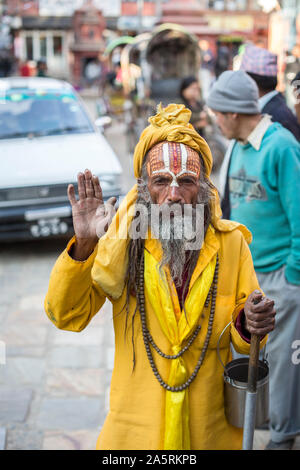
(171, 298)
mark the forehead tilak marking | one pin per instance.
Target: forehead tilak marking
(167, 148)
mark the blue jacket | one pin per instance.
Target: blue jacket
(280, 112)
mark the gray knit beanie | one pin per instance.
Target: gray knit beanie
(234, 92)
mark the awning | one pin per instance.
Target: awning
(120, 41)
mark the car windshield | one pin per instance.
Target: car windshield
(25, 113)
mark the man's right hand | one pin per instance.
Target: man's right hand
(91, 217)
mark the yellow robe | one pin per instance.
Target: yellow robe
(136, 415)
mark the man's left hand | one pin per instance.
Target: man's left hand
(260, 314)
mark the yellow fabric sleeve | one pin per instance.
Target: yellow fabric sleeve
(247, 283)
(73, 297)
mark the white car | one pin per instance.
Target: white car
(46, 138)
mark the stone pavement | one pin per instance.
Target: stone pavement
(54, 385)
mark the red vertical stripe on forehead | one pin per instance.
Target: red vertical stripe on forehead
(176, 157)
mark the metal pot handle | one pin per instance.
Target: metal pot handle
(264, 358)
(218, 350)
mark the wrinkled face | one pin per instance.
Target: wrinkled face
(173, 173)
(227, 124)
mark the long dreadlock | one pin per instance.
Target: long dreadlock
(136, 246)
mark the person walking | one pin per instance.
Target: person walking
(190, 95)
(41, 68)
(261, 189)
(261, 65)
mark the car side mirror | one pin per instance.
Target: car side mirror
(103, 122)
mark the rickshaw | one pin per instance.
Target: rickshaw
(111, 100)
(153, 67)
(137, 106)
(172, 54)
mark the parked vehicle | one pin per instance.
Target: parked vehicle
(46, 138)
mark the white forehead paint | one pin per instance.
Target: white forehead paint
(166, 157)
(184, 157)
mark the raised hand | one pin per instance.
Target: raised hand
(91, 217)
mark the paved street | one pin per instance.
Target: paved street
(54, 386)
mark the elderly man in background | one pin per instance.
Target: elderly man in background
(171, 299)
(262, 190)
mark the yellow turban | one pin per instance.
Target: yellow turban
(172, 124)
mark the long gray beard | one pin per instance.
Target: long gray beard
(176, 257)
(176, 252)
(174, 242)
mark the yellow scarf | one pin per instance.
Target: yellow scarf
(162, 295)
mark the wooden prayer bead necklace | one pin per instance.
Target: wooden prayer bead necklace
(149, 340)
(195, 334)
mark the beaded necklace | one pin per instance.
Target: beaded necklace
(149, 340)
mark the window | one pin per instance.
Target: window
(41, 112)
(57, 45)
(231, 5)
(43, 46)
(216, 4)
(29, 48)
(241, 4)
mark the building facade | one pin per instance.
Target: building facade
(54, 31)
(231, 21)
(49, 29)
